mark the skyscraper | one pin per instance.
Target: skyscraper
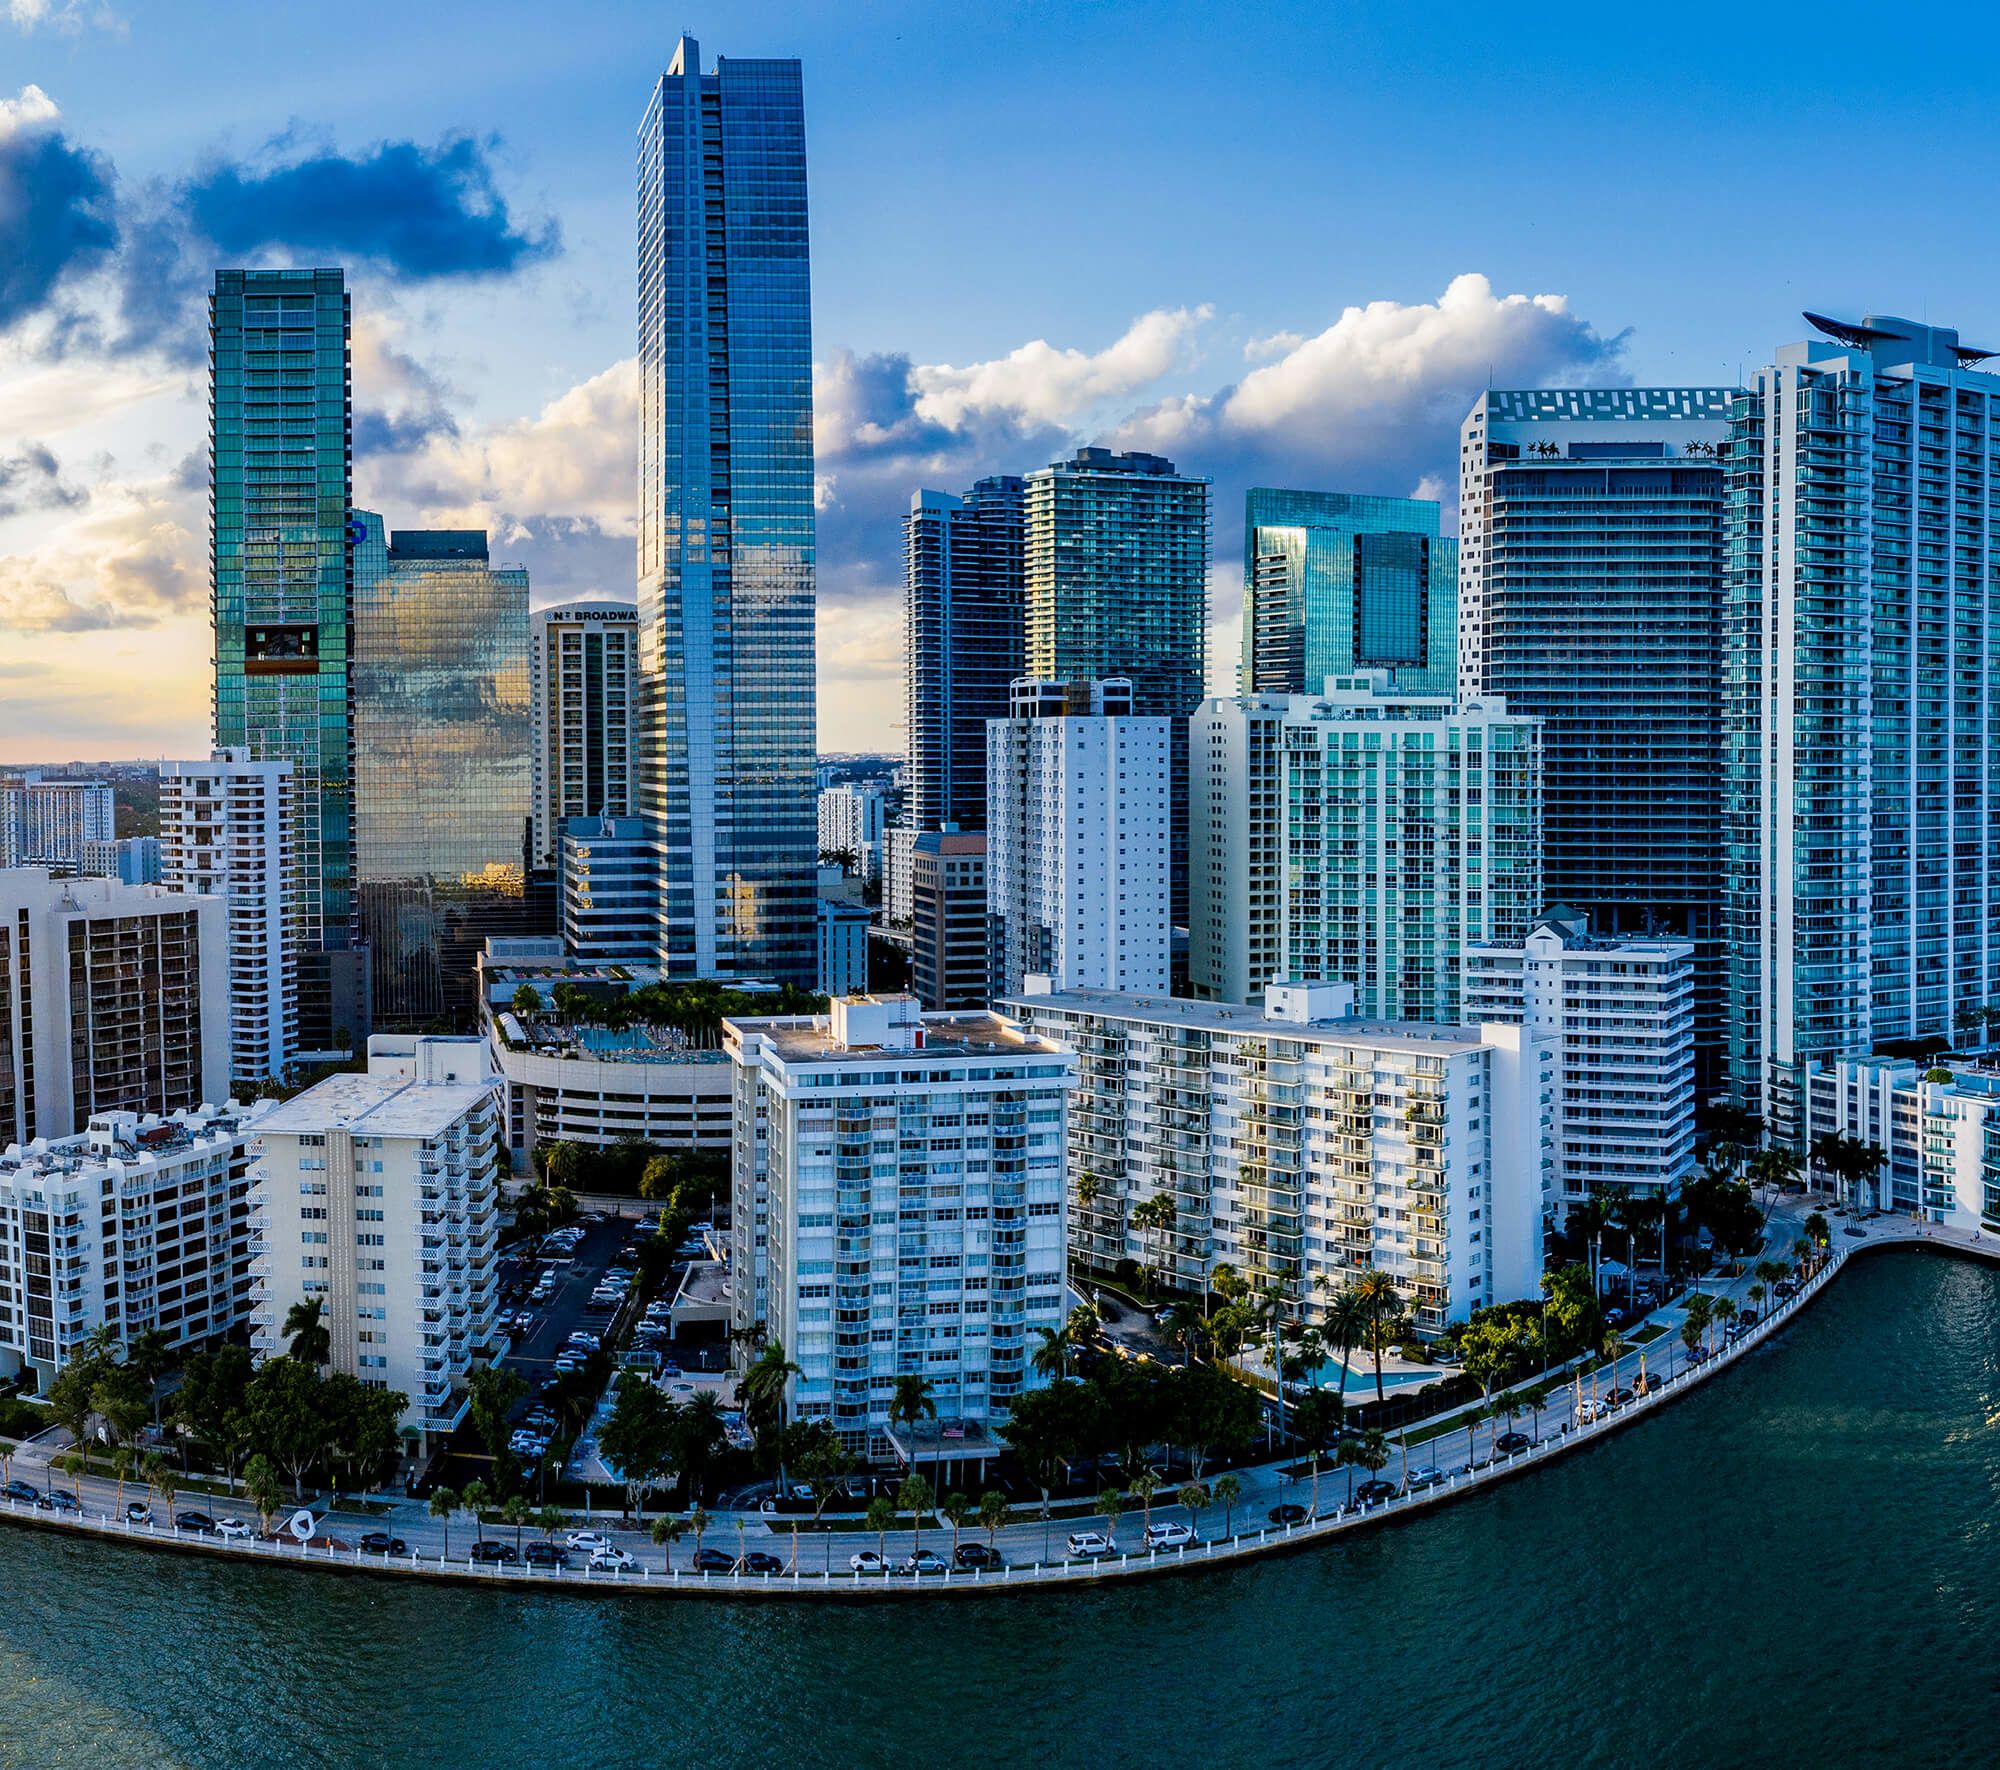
(1859, 828)
(725, 557)
(963, 642)
(51, 821)
(1115, 564)
(281, 587)
(1335, 582)
(582, 690)
(441, 740)
(1590, 595)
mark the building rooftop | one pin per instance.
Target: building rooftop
(1242, 1021)
(916, 1038)
(375, 1106)
(132, 1141)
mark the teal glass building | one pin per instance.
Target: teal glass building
(281, 588)
(725, 548)
(1335, 582)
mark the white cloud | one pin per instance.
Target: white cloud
(33, 109)
(68, 16)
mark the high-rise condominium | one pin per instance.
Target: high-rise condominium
(1360, 836)
(963, 642)
(1861, 846)
(1590, 595)
(725, 561)
(281, 587)
(226, 830)
(1115, 563)
(582, 692)
(441, 733)
(1335, 582)
(53, 821)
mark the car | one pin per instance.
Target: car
(380, 1542)
(616, 1560)
(1618, 1397)
(865, 1561)
(232, 1528)
(757, 1561)
(540, 1419)
(1614, 1317)
(1373, 1493)
(1747, 1318)
(494, 1554)
(1785, 1289)
(714, 1561)
(1697, 1354)
(545, 1555)
(24, 1490)
(1423, 1476)
(62, 1500)
(1590, 1410)
(586, 1539)
(1511, 1444)
(1089, 1545)
(1169, 1534)
(977, 1555)
(568, 1364)
(138, 1512)
(1287, 1513)
(198, 1522)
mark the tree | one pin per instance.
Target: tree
(519, 1513)
(1050, 1357)
(1144, 1485)
(527, 1001)
(285, 1415)
(914, 1496)
(1723, 1314)
(475, 1499)
(639, 1438)
(1572, 1313)
(124, 1461)
(1185, 1326)
(956, 1510)
(1345, 1324)
(1228, 1491)
(261, 1489)
(148, 1354)
(698, 1522)
(164, 1479)
(880, 1517)
(490, 1398)
(992, 1514)
(764, 1388)
(443, 1503)
(1373, 1452)
(121, 1398)
(74, 1386)
(667, 1531)
(305, 1327)
(1315, 1420)
(210, 1398)
(1383, 1305)
(911, 1402)
(72, 1463)
(695, 1439)
(1110, 1502)
(1192, 1498)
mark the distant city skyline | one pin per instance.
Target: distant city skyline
(484, 222)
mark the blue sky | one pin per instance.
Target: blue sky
(1282, 243)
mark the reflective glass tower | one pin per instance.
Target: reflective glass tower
(281, 587)
(1335, 582)
(442, 767)
(725, 555)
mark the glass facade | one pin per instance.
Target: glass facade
(1591, 546)
(442, 738)
(725, 553)
(1336, 582)
(963, 642)
(281, 584)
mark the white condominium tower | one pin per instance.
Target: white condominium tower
(1861, 846)
(1359, 836)
(48, 821)
(1299, 1144)
(378, 1195)
(1621, 1010)
(1079, 837)
(226, 830)
(853, 818)
(582, 698)
(897, 1206)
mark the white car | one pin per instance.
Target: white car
(1086, 1545)
(233, 1528)
(866, 1561)
(1589, 1411)
(1169, 1535)
(1424, 1475)
(593, 1540)
(612, 1558)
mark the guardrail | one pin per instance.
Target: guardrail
(1209, 1552)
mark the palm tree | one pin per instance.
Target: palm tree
(880, 1517)
(667, 1531)
(1345, 1323)
(1110, 1502)
(1183, 1325)
(1191, 1499)
(1755, 1294)
(698, 1522)
(475, 1499)
(1723, 1312)
(164, 1479)
(1374, 1451)
(1051, 1357)
(1227, 1492)
(149, 1353)
(911, 1403)
(548, 1520)
(915, 1497)
(992, 1514)
(763, 1389)
(1383, 1306)
(1144, 1485)
(311, 1339)
(1505, 1409)
(1315, 1420)
(518, 1513)
(123, 1462)
(263, 1489)
(1613, 1345)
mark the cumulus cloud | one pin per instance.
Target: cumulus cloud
(58, 219)
(131, 561)
(400, 403)
(32, 600)
(418, 212)
(31, 479)
(67, 16)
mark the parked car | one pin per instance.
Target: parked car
(62, 1500)
(138, 1512)
(613, 1560)
(494, 1554)
(1423, 1476)
(1169, 1534)
(23, 1490)
(758, 1561)
(1618, 1397)
(1287, 1513)
(714, 1561)
(545, 1555)
(380, 1542)
(1590, 1410)
(865, 1561)
(1511, 1444)
(233, 1528)
(976, 1555)
(587, 1540)
(1697, 1354)
(1089, 1545)
(198, 1522)
(1373, 1493)
(1645, 1383)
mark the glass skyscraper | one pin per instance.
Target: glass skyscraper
(1591, 589)
(1115, 566)
(442, 767)
(281, 588)
(1861, 844)
(962, 628)
(1335, 582)
(725, 555)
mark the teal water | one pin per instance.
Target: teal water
(1797, 1565)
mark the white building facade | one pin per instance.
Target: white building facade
(1304, 1147)
(583, 706)
(1079, 838)
(1938, 1128)
(1359, 836)
(897, 1206)
(226, 831)
(853, 818)
(139, 1224)
(378, 1195)
(1621, 1011)
(49, 821)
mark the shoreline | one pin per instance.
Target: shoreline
(1211, 1553)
